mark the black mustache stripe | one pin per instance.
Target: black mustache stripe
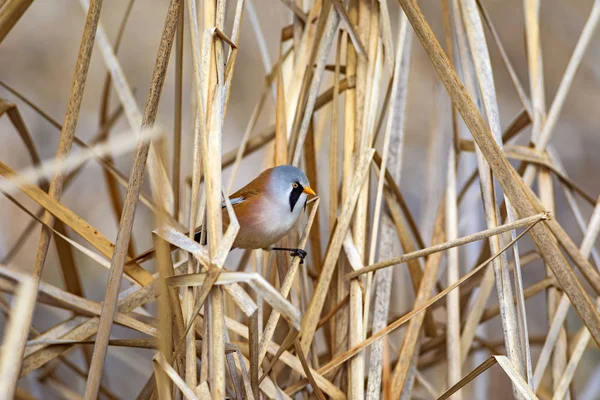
(295, 196)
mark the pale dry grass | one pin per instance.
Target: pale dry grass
(336, 101)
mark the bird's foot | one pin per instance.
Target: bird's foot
(299, 253)
(293, 252)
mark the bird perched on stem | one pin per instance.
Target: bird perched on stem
(268, 207)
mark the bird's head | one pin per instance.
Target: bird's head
(289, 184)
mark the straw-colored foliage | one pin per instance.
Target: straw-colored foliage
(337, 82)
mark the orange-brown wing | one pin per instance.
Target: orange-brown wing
(253, 188)
(244, 200)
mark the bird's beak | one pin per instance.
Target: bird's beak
(308, 190)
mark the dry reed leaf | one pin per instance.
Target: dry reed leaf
(519, 383)
(156, 169)
(15, 336)
(17, 120)
(70, 123)
(418, 311)
(565, 84)
(516, 330)
(517, 193)
(69, 270)
(183, 242)
(350, 28)
(174, 376)
(256, 281)
(74, 222)
(313, 79)
(311, 317)
(306, 368)
(79, 304)
(452, 302)
(192, 282)
(130, 204)
(454, 243)
(395, 124)
(293, 362)
(10, 13)
(45, 169)
(286, 285)
(511, 71)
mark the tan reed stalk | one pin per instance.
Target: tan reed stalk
(209, 327)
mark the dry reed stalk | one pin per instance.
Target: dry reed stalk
(334, 134)
(517, 345)
(129, 207)
(201, 296)
(199, 148)
(520, 384)
(452, 303)
(522, 199)
(511, 71)
(408, 350)
(328, 22)
(15, 336)
(70, 273)
(310, 161)
(286, 286)
(561, 309)
(414, 315)
(156, 169)
(70, 122)
(545, 130)
(6, 310)
(10, 13)
(104, 126)
(368, 70)
(448, 245)
(559, 359)
(171, 321)
(81, 227)
(311, 318)
(395, 135)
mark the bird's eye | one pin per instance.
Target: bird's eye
(295, 185)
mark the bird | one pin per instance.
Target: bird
(267, 209)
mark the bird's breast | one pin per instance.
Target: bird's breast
(265, 223)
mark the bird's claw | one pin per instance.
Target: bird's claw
(299, 253)
(293, 252)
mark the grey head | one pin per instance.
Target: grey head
(289, 184)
